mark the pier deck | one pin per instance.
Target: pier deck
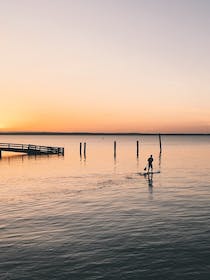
(31, 149)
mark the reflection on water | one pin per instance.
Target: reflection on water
(94, 217)
(150, 180)
(12, 157)
(160, 156)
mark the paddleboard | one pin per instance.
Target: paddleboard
(148, 173)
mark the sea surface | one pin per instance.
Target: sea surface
(95, 217)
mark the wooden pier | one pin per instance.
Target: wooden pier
(30, 149)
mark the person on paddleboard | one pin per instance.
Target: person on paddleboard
(150, 166)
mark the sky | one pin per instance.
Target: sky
(105, 66)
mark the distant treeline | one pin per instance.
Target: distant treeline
(101, 133)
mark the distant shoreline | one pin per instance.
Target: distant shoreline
(104, 133)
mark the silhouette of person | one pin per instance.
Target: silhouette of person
(150, 166)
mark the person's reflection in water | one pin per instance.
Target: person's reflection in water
(150, 182)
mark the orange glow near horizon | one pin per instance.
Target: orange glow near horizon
(94, 123)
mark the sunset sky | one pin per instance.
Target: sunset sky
(105, 65)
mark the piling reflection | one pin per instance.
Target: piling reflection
(159, 163)
(13, 158)
(137, 163)
(24, 158)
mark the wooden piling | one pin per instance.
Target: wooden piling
(160, 143)
(80, 149)
(85, 149)
(115, 148)
(137, 148)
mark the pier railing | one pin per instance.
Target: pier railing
(31, 149)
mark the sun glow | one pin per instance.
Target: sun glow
(2, 126)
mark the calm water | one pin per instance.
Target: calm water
(96, 218)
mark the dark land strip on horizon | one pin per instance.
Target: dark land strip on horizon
(101, 133)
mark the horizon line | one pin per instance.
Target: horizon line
(98, 133)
